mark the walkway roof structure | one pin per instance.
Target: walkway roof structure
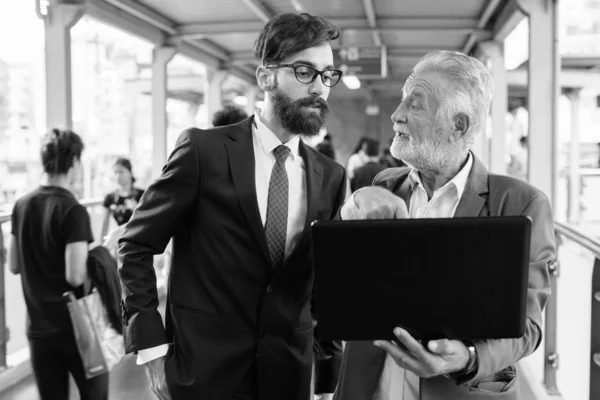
(221, 33)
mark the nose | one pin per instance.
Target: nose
(317, 88)
(399, 116)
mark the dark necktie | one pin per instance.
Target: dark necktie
(277, 208)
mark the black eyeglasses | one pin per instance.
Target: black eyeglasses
(307, 74)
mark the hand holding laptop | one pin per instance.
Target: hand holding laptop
(374, 203)
(439, 357)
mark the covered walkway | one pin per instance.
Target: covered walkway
(219, 35)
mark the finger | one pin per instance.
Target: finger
(401, 211)
(440, 347)
(401, 357)
(412, 345)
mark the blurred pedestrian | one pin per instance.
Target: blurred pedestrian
(229, 115)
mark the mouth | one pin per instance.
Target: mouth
(401, 132)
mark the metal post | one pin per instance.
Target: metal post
(550, 344)
(161, 57)
(574, 178)
(595, 338)
(213, 96)
(3, 330)
(544, 67)
(57, 26)
(494, 51)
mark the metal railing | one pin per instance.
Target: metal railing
(4, 334)
(567, 232)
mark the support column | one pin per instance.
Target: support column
(481, 145)
(213, 95)
(544, 66)
(160, 59)
(57, 28)
(574, 178)
(494, 51)
(252, 96)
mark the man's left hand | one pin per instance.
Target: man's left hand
(324, 396)
(440, 357)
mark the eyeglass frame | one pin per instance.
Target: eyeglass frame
(317, 72)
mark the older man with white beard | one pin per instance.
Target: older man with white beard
(444, 105)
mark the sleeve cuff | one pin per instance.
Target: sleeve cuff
(147, 355)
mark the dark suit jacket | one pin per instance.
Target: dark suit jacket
(227, 310)
(363, 176)
(485, 195)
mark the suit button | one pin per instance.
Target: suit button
(261, 334)
(270, 289)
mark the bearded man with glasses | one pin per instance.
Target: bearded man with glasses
(238, 201)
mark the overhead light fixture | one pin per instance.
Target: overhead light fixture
(351, 82)
(241, 100)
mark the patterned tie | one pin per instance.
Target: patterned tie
(277, 208)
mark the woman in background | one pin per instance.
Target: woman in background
(51, 232)
(121, 203)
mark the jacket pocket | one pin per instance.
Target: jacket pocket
(195, 311)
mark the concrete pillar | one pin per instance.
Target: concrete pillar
(160, 58)
(252, 95)
(574, 178)
(494, 51)
(58, 22)
(481, 145)
(544, 66)
(213, 95)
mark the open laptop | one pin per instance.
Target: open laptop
(456, 278)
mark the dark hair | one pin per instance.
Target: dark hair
(523, 140)
(326, 149)
(229, 115)
(359, 145)
(59, 151)
(288, 34)
(125, 163)
(372, 149)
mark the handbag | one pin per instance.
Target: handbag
(100, 346)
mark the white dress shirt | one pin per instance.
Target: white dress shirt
(264, 141)
(396, 383)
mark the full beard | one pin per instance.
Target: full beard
(428, 155)
(295, 118)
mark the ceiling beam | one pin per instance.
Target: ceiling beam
(507, 21)
(145, 14)
(258, 9)
(297, 6)
(372, 20)
(487, 13)
(460, 25)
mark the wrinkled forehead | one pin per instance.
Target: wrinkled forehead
(430, 85)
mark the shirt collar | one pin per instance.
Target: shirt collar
(459, 181)
(269, 141)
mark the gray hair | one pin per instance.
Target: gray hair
(471, 91)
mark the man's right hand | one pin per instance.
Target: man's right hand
(155, 371)
(374, 203)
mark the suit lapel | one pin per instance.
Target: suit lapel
(242, 164)
(474, 197)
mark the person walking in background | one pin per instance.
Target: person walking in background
(388, 160)
(358, 157)
(228, 115)
(51, 232)
(364, 175)
(122, 201)
(238, 201)
(326, 147)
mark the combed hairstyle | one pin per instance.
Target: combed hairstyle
(288, 34)
(229, 115)
(471, 87)
(60, 149)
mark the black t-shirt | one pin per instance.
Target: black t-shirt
(122, 207)
(44, 222)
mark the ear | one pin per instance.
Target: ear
(265, 79)
(462, 124)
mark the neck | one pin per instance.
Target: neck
(271, 121)
(433, 180)
(125, 188)
(57, 180)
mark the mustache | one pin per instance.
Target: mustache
(310, 101)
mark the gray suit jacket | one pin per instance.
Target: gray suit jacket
(485, 195)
